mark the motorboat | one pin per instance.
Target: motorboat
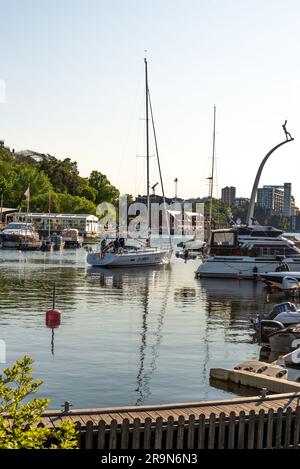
(71, 238)
(285, 340)
(20, 236)
(282, 315)
(286, 281)
(248, 251)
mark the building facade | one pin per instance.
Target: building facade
(277, 199)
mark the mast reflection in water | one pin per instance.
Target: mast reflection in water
(132, 336)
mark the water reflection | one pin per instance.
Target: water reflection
(127, 336)
(149, 346)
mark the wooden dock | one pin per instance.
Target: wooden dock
(164, 411)
(255, 380)
(256, 422)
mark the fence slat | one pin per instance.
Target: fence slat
(113, 434)
(296, 427)
(260, 429)
(241, 430)
(136, 434)
(201, 432)
(170, 433)
(191, 432)
(78, 429)
(180, 432)
(288, 425)
(278, 440)
(231, 430)
(147, 433)
(251, 429)
(270, 424)
(211, 431)
(221, 436)
(101, 435)
(125, 434)
(89, 433)
(158, 433)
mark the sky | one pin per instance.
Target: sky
(73, 72)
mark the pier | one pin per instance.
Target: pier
(254, 422)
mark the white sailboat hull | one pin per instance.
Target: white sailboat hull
(246, 267)
(144, 257)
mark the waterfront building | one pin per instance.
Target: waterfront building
(228, 194)
(87, 225)
(239, 201)
(277, 199)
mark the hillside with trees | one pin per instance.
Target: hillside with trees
(70, 193)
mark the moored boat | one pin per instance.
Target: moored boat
(248, 251)
(20, 236)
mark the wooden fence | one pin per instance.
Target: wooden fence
(272, 429)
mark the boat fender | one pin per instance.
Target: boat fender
(281, 373)
(262, 369)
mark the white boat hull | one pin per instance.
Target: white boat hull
(131, 258)
(246, 267)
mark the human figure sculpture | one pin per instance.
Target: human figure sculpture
(287, 134)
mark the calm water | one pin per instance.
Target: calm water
(127, 337)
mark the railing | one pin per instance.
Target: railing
(273, 429)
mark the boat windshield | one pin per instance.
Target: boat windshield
(223, 238)
(18, 226)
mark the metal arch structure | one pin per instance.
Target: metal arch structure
(250, 213)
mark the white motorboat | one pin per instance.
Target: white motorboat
(20, 236)
(118, 254)
(282, 315)
(285, 340)
(247, 252)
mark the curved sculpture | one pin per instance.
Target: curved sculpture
(250, 214)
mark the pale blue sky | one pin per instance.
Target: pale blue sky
(74, 78)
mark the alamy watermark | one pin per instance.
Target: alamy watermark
(2, 92)
(180, 219)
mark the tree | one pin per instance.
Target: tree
(63, 174)
(29, 175)
(19, 422)
(6, 154)
(106, 192)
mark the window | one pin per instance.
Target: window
(225, 238)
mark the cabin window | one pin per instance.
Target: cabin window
(223, 239)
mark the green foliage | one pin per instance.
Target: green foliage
(220, 212)
(6, 154)
(19, 422)
(104, 190)
(70, 193)
(63, 174)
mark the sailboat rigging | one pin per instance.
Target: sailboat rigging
(117, 253)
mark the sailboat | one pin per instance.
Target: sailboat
(117, 253)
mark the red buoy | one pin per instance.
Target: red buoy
(53, 318)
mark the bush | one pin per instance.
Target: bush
(19, 422)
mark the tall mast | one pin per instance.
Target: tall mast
(212, 171)
(147, 144)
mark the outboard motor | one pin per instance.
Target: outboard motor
(268, 327)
